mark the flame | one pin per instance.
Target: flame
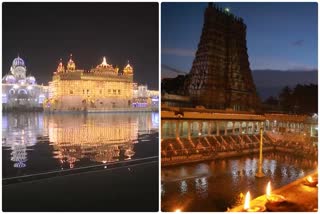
(268, 192)
(177, 211)
(309, 179)
(247, 201)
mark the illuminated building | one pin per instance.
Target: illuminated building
(20, 91)
(101, 88)
(142, 97)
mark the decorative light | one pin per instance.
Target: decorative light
(247, 201)
(29, 87)
(311, 182)
(247, 208)
(268, 192)
(16, 86)
(273, 198)
(227, 9)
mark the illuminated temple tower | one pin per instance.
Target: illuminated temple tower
(220, 76)
(103, 87)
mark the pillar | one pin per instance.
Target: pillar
(226, 128)
(177, 129)
(189, 135)
(162, 131)
(246, 127)
(200, 127)
(233, 123)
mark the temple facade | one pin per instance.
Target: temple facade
(143, 97)
(103, 87)
(21, 91)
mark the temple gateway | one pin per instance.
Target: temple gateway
(220, 77)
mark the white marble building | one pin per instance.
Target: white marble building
(21, 92)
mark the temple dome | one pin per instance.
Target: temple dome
(31, 80)
(18, 62)
(10, 79)
(60, 68)
(104, 64)
(128, 69)
(71, 65)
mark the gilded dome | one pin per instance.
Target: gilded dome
(60, 68)
(71, 65)
(128, 69)
(104, 64)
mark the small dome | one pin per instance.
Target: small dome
(104, 64)
(60, 68)
(18, 62)
(71, 65)
(31, 80)
(10, 79)
(128, 69)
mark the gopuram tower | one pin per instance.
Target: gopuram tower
(220, 76)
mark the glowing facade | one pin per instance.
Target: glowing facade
(142, 97)
(103, 87)
(20, 91)
(96, 139)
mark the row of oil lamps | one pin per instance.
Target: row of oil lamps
(272, 199)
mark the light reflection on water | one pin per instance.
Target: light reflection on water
(216, 185)
(37, 142)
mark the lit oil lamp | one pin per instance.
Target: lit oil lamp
(311, 182)
(273, 198)
(177, 211)
(248, 208)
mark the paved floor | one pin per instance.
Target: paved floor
(130, 188)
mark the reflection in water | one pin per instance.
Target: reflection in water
(99, 138)
(19, 134)
(67, 139)
(216, 185)
(183, 186)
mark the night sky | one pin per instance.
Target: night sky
(42, 33)
(280, 36)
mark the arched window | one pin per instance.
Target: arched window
(22, 91)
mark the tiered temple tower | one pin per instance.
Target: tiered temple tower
(220, 76)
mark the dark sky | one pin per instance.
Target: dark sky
(280, 36)
(42, 33)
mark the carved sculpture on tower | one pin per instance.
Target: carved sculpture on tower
(220, 76)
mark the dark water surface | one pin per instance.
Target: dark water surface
(216, 185)
(37, 143)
